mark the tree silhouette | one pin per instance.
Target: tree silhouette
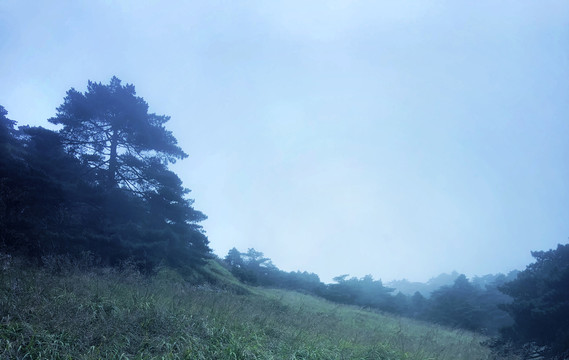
(457, 305)
(109, 128)
(365, 292)
(144, 209)
(6, 128)
(540, 306)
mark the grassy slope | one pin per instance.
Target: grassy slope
(65, 312)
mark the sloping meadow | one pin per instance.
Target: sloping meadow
(68, 310)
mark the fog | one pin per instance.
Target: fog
(398, 140)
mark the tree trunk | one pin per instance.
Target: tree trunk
(112, 180)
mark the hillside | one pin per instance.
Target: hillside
(70, 309)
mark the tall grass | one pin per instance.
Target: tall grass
(70, 310)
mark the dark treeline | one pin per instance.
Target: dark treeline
(526, 310)
(462, 304)
(409, 288)
(540, 306)
(100, 184)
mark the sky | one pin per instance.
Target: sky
(400, 139)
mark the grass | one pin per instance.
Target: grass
(71, 310)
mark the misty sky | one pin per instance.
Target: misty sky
(400, 139)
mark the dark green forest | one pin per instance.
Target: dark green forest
(100, 185)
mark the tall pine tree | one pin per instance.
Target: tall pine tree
(128, 150)
(110, 128)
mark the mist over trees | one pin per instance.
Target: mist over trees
(471, 305)
(468, 306)
(253, 268)
(522, 307)
(409, 288)
(100, 184)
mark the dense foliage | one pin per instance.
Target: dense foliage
(100, 184)
(540, 306)
(529, 308)
(471, 305)
(409, 288)
(109, 128)
(365, 292)
(254, 268)
(468, 306)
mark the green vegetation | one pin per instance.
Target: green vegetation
(463, 304)
(541, 304)
(69, 309)
(150, 287)
(99, 184)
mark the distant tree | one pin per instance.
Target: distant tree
(401, 304)
(409, 288)
(256, 259)
(109, 128)
(301, 281)
(457, 306)
(252, 267)
(239, 268)
(417, 305)
(342, 290)
(233, 258)
(490, 300)
(365, 292)
(540, 306)
(441, 280)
